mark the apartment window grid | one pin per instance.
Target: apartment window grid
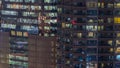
(30, 12)
(99, 30)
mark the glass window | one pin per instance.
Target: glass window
(51, 14)
(50, 1)
(79, 35)
(110, 5)
(13, 33)
(5, 12)
(91, 65)
(110, 42)
(91, 35)
(108, 28)
(59, 10)
(65, 25)
(105, 58)
(25, 20)
(91, 42)
(106, 35)
(117, 50)
(105, 50)
(117, 5)
(92, 20)
(79, 66)
(117, 42)
(25, 34)
(10, 26)
(19, 33)
(101, 4)
(33, 14)
(92, 12)
(117, 12)
(27, 1)
(91, 58)
(118, 57)
(118, 35)
(50, 7)
(91, 4)
(117, 20)
(105, 65)
(100, 20)
(46, 28)
(110, 20)
(14, 0)
(91, 27)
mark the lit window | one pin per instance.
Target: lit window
(19, 33)
(46, 34)
(68, 25)
(51, 14)
(109, 20)
(59, 10)
(79, 35)
(63, 25)
(110, 5)
(25, 34)
(27, 1)
(35, 7)
(46, 28)
(91, 4)
(117, 5)
(100, 20)
(118, 57)
(117, 50)
(50, 1)
(10, 26)
(101, 4)
(91, 34)
(117, 42)
(111, 49)
(117, 20)
(91, 28)
(14, 0)
(12, 32)
(50, 7)
(33, 14)
(5, 12)
(118, 34)
(91, 65)
(110, 42)
(100, 28)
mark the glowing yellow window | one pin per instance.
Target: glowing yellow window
(118, 34)
(117, 20)
(25, 34)
(111, 49)
(12, 32)
(110, 42)
(118, 50)
(117, 5)
(19, 33)
(63, 25)
(117, 42)
(79, 35)
(90, 34)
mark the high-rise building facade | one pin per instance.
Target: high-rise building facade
(20, 50)
(35, 16)
(30, 28)
(89, 34)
